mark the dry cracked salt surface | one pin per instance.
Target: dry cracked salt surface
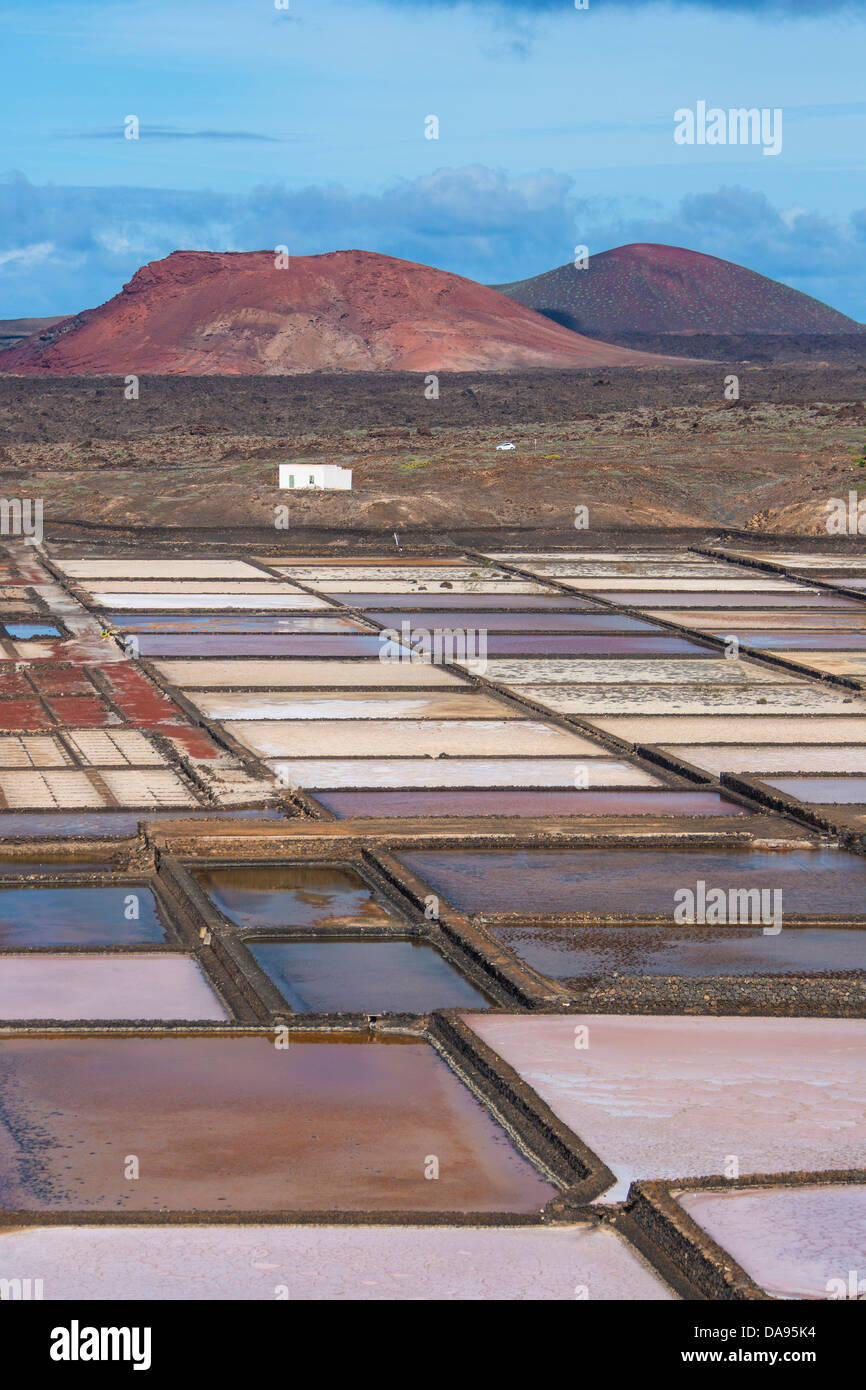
(438, 598)
(760, 620)
(703, 669)
(159, 569)
(46, 791)
(269, 704)
(220, 600)
(789, 559)
(114, 748)
(414, 574)
(595, 556)
(691, 700)
(751, 728)
(627, 571)
(698, 585)
(727, 602)
(350, 773)
(146, 788)
(32, 751)
(771, 757)
(834, 662)
(795, 1242)
(305, 675)
(672, 1097)
(420, 738)
(347, 588)
(368, 1263)
(261, 585)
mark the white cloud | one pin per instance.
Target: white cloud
(26, 256)
(475, 221)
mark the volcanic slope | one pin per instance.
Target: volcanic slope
(666, 289)
(202, 313)
(14, 331)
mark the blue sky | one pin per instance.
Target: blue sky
(262, 126)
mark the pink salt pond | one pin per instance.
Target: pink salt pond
(259, 644)
(234, 622)
(466, 802)
(838, 791)
(673, 1097)
(795, 1242)
(302, 1263)
(72, 987)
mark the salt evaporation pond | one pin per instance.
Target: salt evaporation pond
(334, 1122)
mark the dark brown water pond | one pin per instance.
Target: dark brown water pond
(290, 895)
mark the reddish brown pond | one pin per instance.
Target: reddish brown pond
(291, 895)
(235, 1124)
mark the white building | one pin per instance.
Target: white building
(315, 475)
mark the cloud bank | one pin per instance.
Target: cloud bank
(63, 249)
